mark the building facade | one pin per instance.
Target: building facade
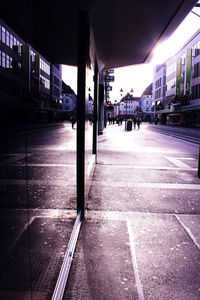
(30, 86)
(146, 105)
(181, 102)
(129, 105)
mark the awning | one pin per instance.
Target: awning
(125, 32)
(190, 107)
(179, 109)
(163, 111)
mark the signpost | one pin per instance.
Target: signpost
(107, 79)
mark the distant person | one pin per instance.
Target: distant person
(134, 122)
(73, 121)
(138, 122)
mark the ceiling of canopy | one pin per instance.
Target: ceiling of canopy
(125, 31)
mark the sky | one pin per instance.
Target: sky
(138, 77)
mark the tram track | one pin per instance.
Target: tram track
(191, 139)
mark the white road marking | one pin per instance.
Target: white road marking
(134, 262)
(13, 158)
(151, 167)
(158, 185)
(10, 163)
(41, 165)
(177, 161)
(189, 232)
(70, 181)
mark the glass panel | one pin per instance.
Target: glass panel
(37, 182)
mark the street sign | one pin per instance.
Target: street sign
(109, 78)
(109, 88)
(109, 71)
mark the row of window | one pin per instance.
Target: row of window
(45, 82)
(128, 112)
(7, 38)
(196, 49)
(196, 91)
(171, 69)
(44, 66)
(158, 83)
(5, 60)
(196, 70)
(158, 94)
(170, 84)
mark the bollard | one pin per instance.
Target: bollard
(199, 164)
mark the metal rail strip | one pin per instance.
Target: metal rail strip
(64, 271)
(180, 136)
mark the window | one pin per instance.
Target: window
(170, 84)
(44, 66)
(15, 41)
(196, 70)
(7, 61)
(44, 81)
(7, 38)
(33, 56)
(11, 41)
(0, 58)
(3, 34)
(196, 91)
(11, 62)
(171, 69)
(3, 60)
(196, 49)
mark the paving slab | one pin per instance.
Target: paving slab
(102, 265)
(168, 260)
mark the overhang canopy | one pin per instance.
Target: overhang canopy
(125, 31)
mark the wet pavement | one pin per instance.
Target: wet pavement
(141, 237)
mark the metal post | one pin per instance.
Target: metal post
(83, 53)
(96, 95)
(199, 164)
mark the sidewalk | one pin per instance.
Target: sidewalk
(141, 237)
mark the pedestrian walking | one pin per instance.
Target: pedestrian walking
(73, 121)
(134, 122)
(138, 123)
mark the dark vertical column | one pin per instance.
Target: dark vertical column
(96, 97)
(83, 53)
(101, 109)
(198, 174)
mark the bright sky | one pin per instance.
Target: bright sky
(138, 77)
